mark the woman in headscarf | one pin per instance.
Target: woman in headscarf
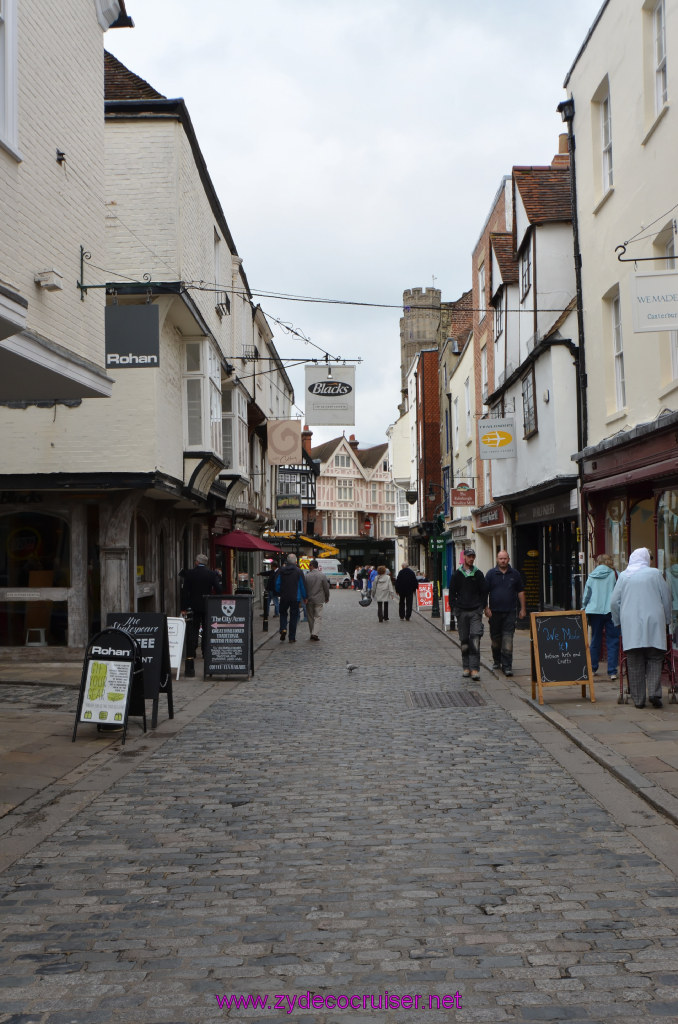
(641, 604)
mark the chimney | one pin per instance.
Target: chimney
(353, 443)
(306, 436)
(562, 157)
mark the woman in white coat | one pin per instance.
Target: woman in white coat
(382, 592)
(641, 604)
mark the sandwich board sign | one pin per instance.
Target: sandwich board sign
(561, 655)
(111, 685)
(149, 629)
(228, 639)
(176, 631)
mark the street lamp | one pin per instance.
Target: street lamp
(435, 533)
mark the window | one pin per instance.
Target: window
(606, 142)
(345, 490)
(659, 26)
(618, 350)
(529, 405)
(402, 507)
(447, 431)
(455, 423)
(446, 489)
(467, 400)
(525, 270)
(389, 494)
(387, 523)
(9, 126)
(234, 430)
(487, 497)
(484, 382)
(498, 315)
(482, 304)
(342, 461)
(469, 472)
(344, 524)
(374, 493)
(202, 390)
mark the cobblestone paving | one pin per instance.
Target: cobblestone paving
(312, 832)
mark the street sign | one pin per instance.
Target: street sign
(149, 629)
(111, 684)
(561, 652)
(229, 640)
(425, 595)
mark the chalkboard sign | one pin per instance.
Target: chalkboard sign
(561, 654)
(229, 640)
(149, 629)
(111, 684)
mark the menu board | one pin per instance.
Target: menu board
(228, 635)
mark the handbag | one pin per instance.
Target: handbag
(365, 601)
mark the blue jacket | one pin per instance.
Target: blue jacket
(289, 583)
(598, 590)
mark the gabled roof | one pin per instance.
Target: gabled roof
(545, 192)
(371, 457)
(322, 452)
(502, 246)
(122, 84)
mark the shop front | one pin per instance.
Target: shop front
(546, 544)
(491, 527)
(630, 488)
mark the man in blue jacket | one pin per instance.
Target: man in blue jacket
(289, 584)
(505, 592)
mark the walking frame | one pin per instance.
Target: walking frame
(669, 669)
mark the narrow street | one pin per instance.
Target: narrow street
(325, 832)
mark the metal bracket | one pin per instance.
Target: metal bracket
(635, 259)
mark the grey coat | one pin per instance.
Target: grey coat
(317, 587)
(641, 604)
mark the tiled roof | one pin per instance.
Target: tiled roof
(502, 246)
(545, 192)
(371, 457)
(322, 452)
(122, 84)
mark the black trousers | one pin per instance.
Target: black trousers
(405, 605)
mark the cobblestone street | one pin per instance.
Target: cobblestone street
(315, 830)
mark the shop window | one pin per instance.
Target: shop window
(615, 533)
(529, 405)
(667, 546)
(35, 550)
(144, 562)
(642, 526)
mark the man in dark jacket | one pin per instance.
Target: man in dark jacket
(505, 591)
(289, 585)
(197, 584)
(406, 587)
(468, 594)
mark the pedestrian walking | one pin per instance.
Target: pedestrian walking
(382, 591)
(505, 600)
(641, 605)
(289, 585)
(357, 581)
(406, 587)
(468, 596)
(197, 584)
(317, 596)
(596, 604)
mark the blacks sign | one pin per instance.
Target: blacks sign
(228, 641)
(561, 651)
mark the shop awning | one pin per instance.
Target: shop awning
(239, 540)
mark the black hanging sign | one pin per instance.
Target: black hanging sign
(561, 655)
(149, 629)
(229, 640)
(111, 685)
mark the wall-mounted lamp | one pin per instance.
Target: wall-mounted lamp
(566, 110)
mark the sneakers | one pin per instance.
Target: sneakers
(466, 673)
(475, 675)
(612, 676)
(283, 634)
(496, 666)
(508, 671)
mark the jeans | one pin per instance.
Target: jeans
(291, 608)
(382, 611)
(268, 599)
(470, 630)
(405, 606)
(603, 624)
(502, 628)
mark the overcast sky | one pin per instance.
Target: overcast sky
(356, 147)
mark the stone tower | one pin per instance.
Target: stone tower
(419, 325)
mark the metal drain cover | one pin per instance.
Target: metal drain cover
(443, 699)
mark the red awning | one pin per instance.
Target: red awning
(242, 541)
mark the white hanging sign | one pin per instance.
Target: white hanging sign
(654, 300)
(497, 438)
(330, 401)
